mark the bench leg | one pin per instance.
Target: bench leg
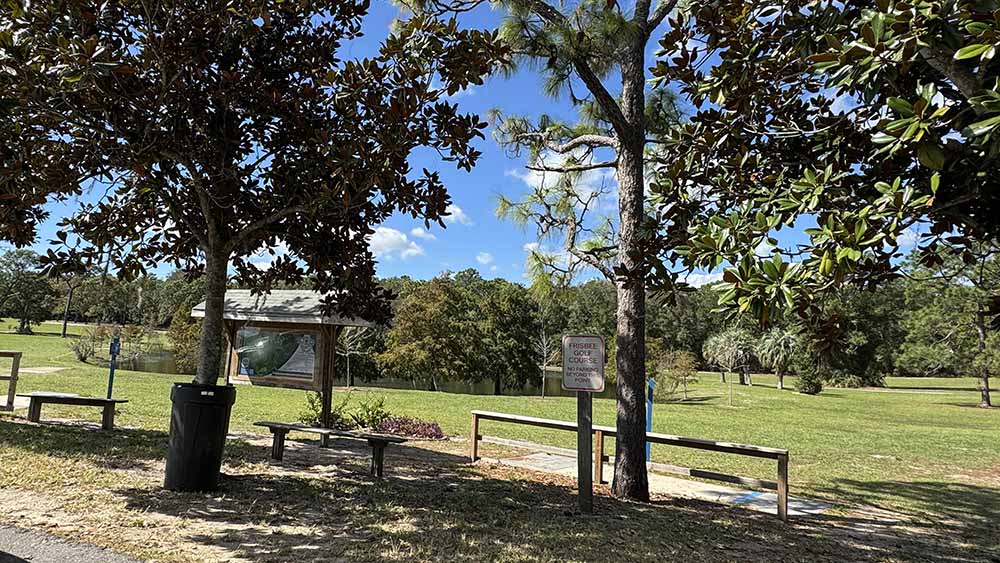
(378, 459)
(34, 410)
(278, 446)
(108, 418)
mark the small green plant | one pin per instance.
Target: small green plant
(371, 411)
(339, 417)
(675, 371)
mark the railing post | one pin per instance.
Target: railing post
(783, 488)
(474, 453)
(599, 457)
(12, 384)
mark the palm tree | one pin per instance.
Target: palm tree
(775, 350)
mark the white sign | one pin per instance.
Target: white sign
(583, 363)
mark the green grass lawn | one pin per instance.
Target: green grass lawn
(918, 446)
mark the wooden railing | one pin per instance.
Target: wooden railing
(601, 432)
(11, 379)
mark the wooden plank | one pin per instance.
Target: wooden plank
(528, 420)
(71, 400)
(723, 447)
(331, 432)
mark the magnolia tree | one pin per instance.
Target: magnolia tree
(211, 131)
(864, 123)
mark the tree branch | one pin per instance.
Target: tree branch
(662, 10)
(943, 61)
(591, 141)
(245, 232)
(573, 167)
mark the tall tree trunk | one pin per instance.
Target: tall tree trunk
(350, 375)
(722, 376)
(743, 376)
(497, 386)
(781, 379)
(210, 352)
(984, 371)
(630, 479)
(69, 303)
(24, 326)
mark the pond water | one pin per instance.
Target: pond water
(161, 360)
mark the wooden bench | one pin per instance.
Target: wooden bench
(378, 442)
(601, 432)
(36, 400)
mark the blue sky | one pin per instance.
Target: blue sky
(474, 237)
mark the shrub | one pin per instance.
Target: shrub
(86, 345)
(412, 427)
(371, 411)
(675, 370)
(809, 383)
(83, 348)
(339, 417)
(184, 337)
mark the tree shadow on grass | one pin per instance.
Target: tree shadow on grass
(122, 448)
(938, 388)
(964, 513)
(320, 505)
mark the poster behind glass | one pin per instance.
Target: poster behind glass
(264, 352)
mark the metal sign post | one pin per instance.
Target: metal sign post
(583, 372)
(114, 350)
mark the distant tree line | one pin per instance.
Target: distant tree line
(460, 327)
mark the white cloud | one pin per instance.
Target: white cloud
(389, 243)
(698, 280)
(909, 237)
(484, 258)
(417, 232)
(263, 260)
(456, 215)
(493, 268)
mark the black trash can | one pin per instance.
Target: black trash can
(199, 422)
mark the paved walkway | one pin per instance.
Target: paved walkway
(548, 459)
(21, 546)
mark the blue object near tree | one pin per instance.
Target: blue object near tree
(649, 415)
(115, 349)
